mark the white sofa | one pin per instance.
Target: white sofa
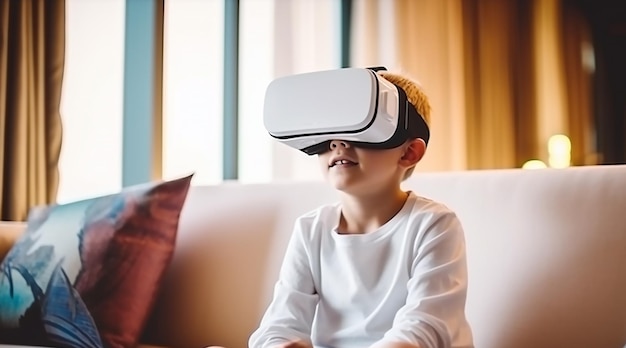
(546, 256)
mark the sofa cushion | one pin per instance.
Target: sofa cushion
(85, 274)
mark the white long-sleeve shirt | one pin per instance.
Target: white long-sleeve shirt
(406, 281)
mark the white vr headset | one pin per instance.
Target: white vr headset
(307, 111)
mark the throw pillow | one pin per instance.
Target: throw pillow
(86, 274)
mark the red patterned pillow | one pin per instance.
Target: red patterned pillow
(103, 260)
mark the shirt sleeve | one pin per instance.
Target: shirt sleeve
(434, 313)
(290, 313)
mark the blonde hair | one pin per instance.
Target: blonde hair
(415, 95)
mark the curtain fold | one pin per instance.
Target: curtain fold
(32, 46)
(423, 40)
(461, 51)
(489, 88)
(502, 75)
(579, 67)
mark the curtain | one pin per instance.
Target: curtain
(495, 71)
(422, 39)
(490, 52)
(578, 47)
(32, 39)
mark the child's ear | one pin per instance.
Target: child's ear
(413, 152)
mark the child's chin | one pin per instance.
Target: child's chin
(348, 187)
(341, 187)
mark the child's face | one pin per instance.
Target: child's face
(360, 171)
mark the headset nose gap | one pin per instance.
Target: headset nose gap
(339, 143)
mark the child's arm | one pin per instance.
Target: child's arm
(434, 313)
(289, 315)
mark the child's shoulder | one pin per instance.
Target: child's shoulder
(321, 216)
(313, 224)
(422, 205)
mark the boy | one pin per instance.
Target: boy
(382, 268)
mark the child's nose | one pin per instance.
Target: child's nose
(339, 143)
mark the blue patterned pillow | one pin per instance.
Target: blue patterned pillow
(85, 274)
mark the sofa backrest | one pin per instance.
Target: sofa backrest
(546, 256)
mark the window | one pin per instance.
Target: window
(91, 100)
(192, 89)
(277, 37)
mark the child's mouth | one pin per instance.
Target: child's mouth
(343, 163)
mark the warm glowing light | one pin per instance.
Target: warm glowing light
(559, 151)
(534, 164)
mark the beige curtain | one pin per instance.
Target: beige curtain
(494, 71)
(422, 39)
(32, 39)
(489, 51)
(579, 67)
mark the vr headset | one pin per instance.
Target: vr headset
(307, 111)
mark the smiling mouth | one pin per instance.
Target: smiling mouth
(342, 163)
